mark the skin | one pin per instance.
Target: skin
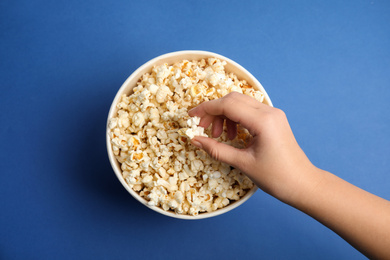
(277, 165)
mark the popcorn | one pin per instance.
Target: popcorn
(196, 90)
(148, 180)
(153, 89)
(154, 116)
(113, 123)
(139, 119)
(162, 94)
(134, 142)
(195, 130)
(196, 166)
(136, 156)
(150, 137)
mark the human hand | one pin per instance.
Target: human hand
(273, 160)
(277, 165)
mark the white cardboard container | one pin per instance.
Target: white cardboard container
(127, 89)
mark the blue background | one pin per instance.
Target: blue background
(325, 63)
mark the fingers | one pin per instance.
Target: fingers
(239, 108)
(217, 127)
(231, 129)
(219, 151)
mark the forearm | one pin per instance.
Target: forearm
(275, 162)
(359, 217)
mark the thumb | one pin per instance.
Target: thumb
(219, 151)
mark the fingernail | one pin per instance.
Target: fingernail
(196, 143)
(191, 110)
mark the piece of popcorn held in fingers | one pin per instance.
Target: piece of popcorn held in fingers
(195, 129)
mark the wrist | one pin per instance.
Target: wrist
(305, 187)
